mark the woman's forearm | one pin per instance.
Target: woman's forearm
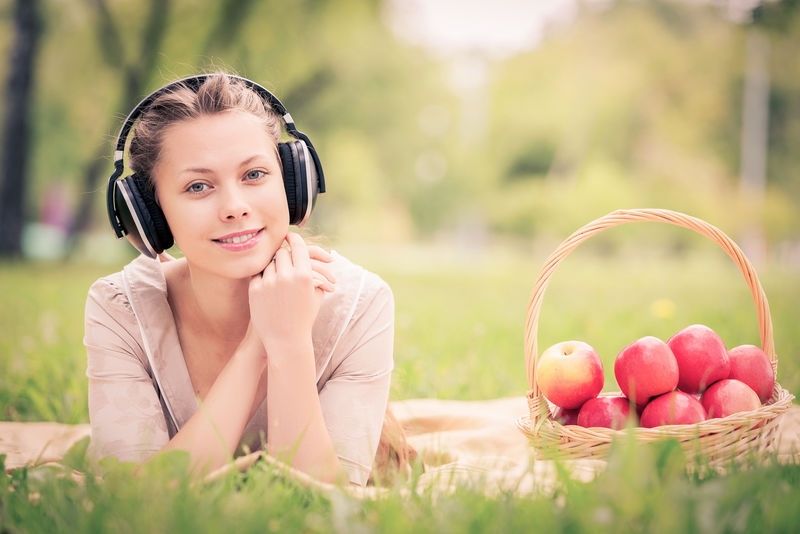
(212, 434)
(296, 429)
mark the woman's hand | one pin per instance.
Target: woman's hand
(285, 298)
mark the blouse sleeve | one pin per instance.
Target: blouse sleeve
(127, 420)
(354, 398)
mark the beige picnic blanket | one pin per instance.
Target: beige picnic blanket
(459, 441)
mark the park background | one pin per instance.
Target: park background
(461, 141)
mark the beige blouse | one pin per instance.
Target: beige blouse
(140, 393)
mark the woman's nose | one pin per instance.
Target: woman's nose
(234, 204)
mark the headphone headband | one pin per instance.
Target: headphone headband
(194, 83)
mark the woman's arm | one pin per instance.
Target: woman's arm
(355, 395)
(297, 432)
(127, 417)
(212, 434)
(284, 303)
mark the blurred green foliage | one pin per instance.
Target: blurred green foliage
(347, 81)
(638, 104)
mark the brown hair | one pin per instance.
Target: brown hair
(218, 93)
(395, 456)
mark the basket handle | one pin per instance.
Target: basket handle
(617, 218)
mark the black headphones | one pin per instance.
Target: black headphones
(132, 207)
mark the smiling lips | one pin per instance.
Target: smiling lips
(239, 240)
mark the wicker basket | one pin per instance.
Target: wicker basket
(717, 440)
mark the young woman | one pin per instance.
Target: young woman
(253, 336)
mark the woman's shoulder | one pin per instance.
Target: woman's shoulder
(111, 292)
(108, 292)
(356, 283)
(360, 309)
(359, 295)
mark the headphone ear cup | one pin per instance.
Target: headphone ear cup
(290, 181)
(141, 216)
(299, 180)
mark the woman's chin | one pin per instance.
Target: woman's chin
(242, 267)
(255, 267)
(240, 270)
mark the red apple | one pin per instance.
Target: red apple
(646, 368)
(569, 373)
(729, 396)
(751, 365)
(607, 412)
(566, 417)
(702, 358)
(673, 408)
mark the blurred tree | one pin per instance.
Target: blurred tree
(754, 145)
(640, 104)
(634, 103)
(231, 15)
(137, 68)
(14, 173)
(134, 69)
(379, 111)
(780, 22)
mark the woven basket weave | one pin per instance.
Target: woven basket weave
(716, 440)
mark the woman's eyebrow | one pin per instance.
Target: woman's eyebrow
(199, 170)
(250, 160)
(203, 170)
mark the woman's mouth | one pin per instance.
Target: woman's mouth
(239, 240)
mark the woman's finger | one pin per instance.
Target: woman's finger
(318, 253)
(324, 269)
(269, 269)
(322, 283)
(300, 257)
(282, 261)
(255, 283)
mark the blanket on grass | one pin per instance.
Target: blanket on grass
(458, 441)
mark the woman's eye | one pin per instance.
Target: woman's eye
(255, 174)
(197, 187)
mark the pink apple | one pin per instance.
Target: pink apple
(569, 373)
(673, 408)
(607, 412)
(566, 417)
(702, 358)
(751, 365)
(646, 368)
(729, 396)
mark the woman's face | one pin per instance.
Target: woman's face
(219, 182)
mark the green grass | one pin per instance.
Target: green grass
(459, 328)
(42, 358)
(461, 317)
(644, 489)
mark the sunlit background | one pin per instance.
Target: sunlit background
(458, 124)
(462, 141)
